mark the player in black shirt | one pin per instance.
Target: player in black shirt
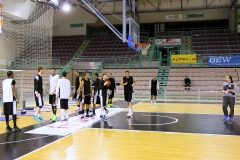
(38, 93)
(112, 89)
(86, 89)
(103, 96)
(96, 93)
(77, 96)
(128, 82)
(153, 87)
(187, 83)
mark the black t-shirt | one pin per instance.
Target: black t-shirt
(187, 81)
(77, 83)
(154, 85)
(38, 85)
(96, 85)
(103, 88)
(87, 86)
(128, 87)
(113, 85)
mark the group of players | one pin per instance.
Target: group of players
(59, 91)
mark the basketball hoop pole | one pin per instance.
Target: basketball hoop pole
(124, 22)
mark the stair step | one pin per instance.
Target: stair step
(162, 78)
(163, 74)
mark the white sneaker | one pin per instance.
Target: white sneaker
(131, 113)
(151, 102)
(154, 102)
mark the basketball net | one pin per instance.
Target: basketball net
(144, 47)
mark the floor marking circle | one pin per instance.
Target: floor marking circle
(161, 124)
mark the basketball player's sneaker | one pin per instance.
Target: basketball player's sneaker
(88, 115)
(36, 118)
(130, 113)
(82, 116)
(41, 119)
(112, 105)
(225, 118)
(16, 129)
(151, 103)
(54, 118)
(104, 118)
(8, 129)
(65, 120)
(230, 120)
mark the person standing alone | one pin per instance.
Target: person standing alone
(153, 87)
(229, 89)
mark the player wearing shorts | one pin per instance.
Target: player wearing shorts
(10, 101)
(38, 94)
(63, 92)
(103, 96)
(153, 87)
(53, 80)
(77, 95)
(86, 89)
(96, 91)
(112, 89)
(128, 82)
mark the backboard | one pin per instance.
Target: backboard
(131, 30)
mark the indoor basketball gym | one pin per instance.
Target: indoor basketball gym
(190, 46)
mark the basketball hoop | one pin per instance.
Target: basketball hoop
(144, 47)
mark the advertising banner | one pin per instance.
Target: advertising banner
(224, 61)
(164, 42)
(184, 59)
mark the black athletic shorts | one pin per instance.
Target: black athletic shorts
(52, 99)
(111, 95)
(103, 100)
(87, 100)
(39, 100)
(64, 103)
(128, 96)
(187, 85)
(10, 108)
(153, 92)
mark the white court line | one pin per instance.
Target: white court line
(163, 132)
(160, 124)
(185, 113)
(25, 139)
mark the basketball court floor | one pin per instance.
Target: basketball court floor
(165, 131)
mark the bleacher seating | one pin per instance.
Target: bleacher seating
(206, 82)
(107, 45)
(208, 42)
(63, 47)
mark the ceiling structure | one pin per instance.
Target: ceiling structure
(23, 8)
